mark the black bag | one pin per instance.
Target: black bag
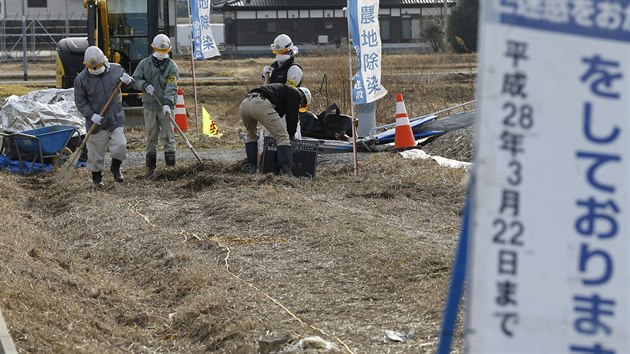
(327, 125)
(311, 126)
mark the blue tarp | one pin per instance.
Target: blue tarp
(22, 167)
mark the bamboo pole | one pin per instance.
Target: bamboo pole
(355, 120)
(192, 65)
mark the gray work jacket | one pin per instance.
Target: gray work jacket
(91, 92)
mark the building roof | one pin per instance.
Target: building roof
(319, 4)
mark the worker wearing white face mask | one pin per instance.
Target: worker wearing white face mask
(92, 88)
(157, 75)
(285, 70)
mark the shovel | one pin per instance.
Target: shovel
(75, 155)
(180, 132)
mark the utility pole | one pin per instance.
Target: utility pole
(445, 15)
(24, 61)
(67, 20)
(3, 31)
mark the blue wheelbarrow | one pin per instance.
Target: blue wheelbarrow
(39, 145)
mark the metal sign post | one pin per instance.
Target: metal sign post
(24, 58)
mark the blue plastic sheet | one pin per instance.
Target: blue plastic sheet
(22, 167)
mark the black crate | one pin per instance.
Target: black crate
(304, 160)
(269, 156)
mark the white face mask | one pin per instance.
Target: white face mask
(97, 71)
(160, 56)
(282, 57)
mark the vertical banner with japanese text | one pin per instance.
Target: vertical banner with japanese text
(549, 249)
(366, 39)
(203, 43)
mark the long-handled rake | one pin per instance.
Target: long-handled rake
(71, 162)
(181, 132)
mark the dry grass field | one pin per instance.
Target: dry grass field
(429, 83)
(210, 259)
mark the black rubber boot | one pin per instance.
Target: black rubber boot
(97, 179)
(169, 158)
(285, 155)
(251, 150)
(151, 163)
(115, 169)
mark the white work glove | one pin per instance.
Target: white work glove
(266, 71)
(97, 119)
(126, 79)
(166, 109)
(149, 89)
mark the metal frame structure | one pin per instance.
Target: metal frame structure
(42, 32)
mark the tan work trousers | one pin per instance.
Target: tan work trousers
(159, 128)
(254, 110)
(97, 146)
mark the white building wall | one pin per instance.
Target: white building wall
(54, 9)
(183, 36)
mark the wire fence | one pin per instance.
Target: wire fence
(36, 35)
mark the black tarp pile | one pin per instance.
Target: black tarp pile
(333, 130)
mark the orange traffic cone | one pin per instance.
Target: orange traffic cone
(180, 111)
(404, 134)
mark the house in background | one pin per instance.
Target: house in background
(252, 25)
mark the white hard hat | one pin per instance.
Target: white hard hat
(308, 99)
(161, 43)
(94, 58)
(282, 44)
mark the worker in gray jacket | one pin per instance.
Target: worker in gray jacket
(266, 105)
(157, 75)
(92, 88)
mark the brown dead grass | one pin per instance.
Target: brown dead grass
(201, 260)
(212, 260)
(429, 83)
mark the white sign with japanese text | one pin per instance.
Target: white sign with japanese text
(204, 46)
(366, 38)
(549, 248)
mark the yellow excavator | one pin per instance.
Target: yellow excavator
(123, 29)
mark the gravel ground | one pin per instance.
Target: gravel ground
(136, 158)
(456, 145)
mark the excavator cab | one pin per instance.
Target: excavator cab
(123, 29)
